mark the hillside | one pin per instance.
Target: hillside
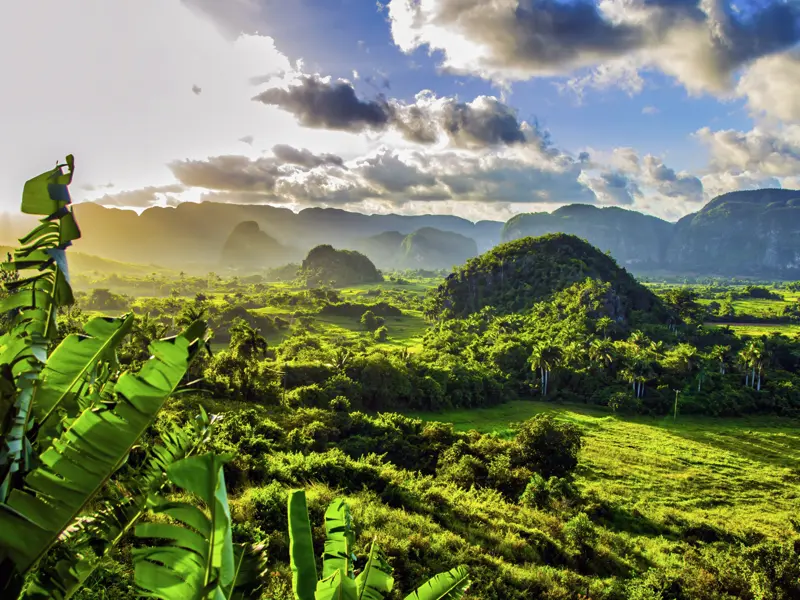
(742, 233)
(326, 265)
(248, 248)
(515, 275)
(631, 237)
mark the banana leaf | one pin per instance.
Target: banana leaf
(375, 581)
(94, 536)
(195, 559)
(336, 587)
(339, 540)
(72, 361)
(301, 547)
(80, 462)
(451, 585)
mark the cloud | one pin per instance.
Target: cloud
(229, 173)
(304, 158)
(248, 139)
(770, 86)
(614, 188)
(650, 110)
(196, 90)
(716, 184)
(762, 151)
(143, 197)
(699, 42)
(669, 183)
(232, 17)
(319, 102)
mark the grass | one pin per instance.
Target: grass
(759, 329)
(737, 475)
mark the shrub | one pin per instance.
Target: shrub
(580, 532)
(536, 494)
(546, 446)
(381, 334)
(369, 321)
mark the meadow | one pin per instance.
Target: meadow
(739, 475)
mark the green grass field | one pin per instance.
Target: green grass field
(758, 329)
(737, 475)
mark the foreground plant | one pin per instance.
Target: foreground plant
(68, 419)
(374, 582)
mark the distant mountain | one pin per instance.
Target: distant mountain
(514, 276)
(325, 265)
(631, 237)
(429, 248)
(248, 248)
(192, 235)
(741, 233)
(425, 248)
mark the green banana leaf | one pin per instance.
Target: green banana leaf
(72, 361)
(78, 464)
(197, 559)
(93, 537)
(375, 581)
(450, 585)
(33, 301)
(336, 587)
(301, 547)
(251, 571)
(339, 540)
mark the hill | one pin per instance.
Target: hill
(425, 248)
(248, 247)
(435, 249)
(743, 233)
(514, 276)
(631, 237)
(326, 265)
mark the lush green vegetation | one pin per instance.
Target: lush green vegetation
(607, 440)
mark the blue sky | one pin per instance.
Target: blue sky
(672, 102)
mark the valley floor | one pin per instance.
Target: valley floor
(737, 475)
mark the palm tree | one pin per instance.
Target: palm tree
(603, 323)
(719, 354)
(545, 358)
(246, 340)
(601, 352)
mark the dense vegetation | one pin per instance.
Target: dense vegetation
(326, 265)
(602, 501)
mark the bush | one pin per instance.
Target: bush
(536, 494)
(625, 403)
(369, 321)
(546, 446)
(381, 334)
(580, 532)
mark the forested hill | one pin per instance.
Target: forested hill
(514, 276)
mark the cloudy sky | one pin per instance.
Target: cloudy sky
(480, 108)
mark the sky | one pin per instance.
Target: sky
(479, 108)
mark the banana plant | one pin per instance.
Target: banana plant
(339, 581)
(196, 559)
(67, 422)
(93, 537)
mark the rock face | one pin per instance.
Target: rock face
(326, 265)
(247, 247)
(632, 238)
(514, 276)
(741, 233)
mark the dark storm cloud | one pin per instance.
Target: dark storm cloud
(303, 157)
(335, 105)
(328, 105)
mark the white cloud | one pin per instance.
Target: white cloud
(771, 86)
(112, 82)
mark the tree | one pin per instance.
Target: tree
(719, 355)
(247, 342)
(369, 321)
(545, 358)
